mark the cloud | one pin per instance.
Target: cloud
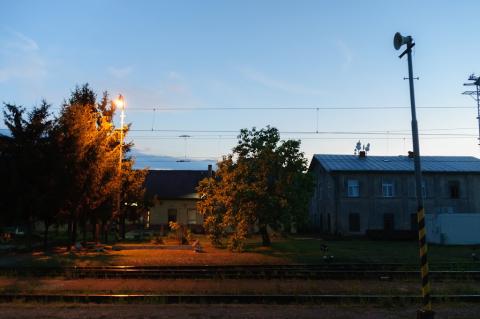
(346, 54)
(20, 57)
(24, 43)
(121, 72)
(272, 83)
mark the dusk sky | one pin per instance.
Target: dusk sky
(192, 67)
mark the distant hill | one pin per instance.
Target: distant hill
(143, 160)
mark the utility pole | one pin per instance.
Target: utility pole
(476, 96)
(426, 311)
(121, 103)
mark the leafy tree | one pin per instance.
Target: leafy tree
(66, 169)
(90, 148)
(263, 182)
(29, 164)
(102, 187)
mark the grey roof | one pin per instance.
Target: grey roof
(352, 163)
(174, 184)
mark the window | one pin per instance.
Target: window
(454, 188)
(353, 188)
(354, 222)
(387, 189)
(192, 216)
(388, 222)
(172, 215)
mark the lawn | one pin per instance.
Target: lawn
(283, 251)
(308, 251)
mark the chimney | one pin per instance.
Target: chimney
(362, 154)
(209, 170)
(411, 154)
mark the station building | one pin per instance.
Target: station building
(357, 194)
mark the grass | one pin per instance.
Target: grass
(308, 251)
(283, 251)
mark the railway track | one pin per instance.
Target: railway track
(324, 271)
(236, 299)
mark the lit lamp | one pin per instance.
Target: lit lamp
(120, 103)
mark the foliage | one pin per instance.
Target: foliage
(181, 233)
(262, 183)
(65, 169)
(27, 164)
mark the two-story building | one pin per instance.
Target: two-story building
(354, 194)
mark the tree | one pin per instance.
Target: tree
(263, 182)
(66, 169)
(90, 150)
(29, 164)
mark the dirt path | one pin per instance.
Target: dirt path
(227, 286)
(93, 311)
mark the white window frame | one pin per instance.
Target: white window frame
(353, 188)
(388, 189)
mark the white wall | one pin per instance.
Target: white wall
(453, 229)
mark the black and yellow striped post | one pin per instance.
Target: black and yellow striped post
(426, 311)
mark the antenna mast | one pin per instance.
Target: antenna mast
(476, 96)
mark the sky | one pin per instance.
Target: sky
(206, 69)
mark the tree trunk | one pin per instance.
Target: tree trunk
(122, 227)
(265, 237)
(29, 232)
(93, 223)
(105, 231)
(69, 234)
(84, 229)
(45, 235)
(74, 233)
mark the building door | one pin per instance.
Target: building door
(172, 215)
(413, 222)
(354, 222)
(388, 222)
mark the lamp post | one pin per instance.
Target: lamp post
(121, 104)
(426, 311)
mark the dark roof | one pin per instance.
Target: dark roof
(352, 163)
(172, 184)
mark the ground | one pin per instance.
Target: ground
(228, 286)
(304, 250)
(86, 311)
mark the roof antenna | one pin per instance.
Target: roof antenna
(185, 140)
(361, 147)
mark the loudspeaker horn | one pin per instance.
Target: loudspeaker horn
(399, 40)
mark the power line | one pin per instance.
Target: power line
(293, 108)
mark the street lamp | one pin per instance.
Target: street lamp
(426, 312)
(121, 104)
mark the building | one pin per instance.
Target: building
(357, 194)
(174, 197)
